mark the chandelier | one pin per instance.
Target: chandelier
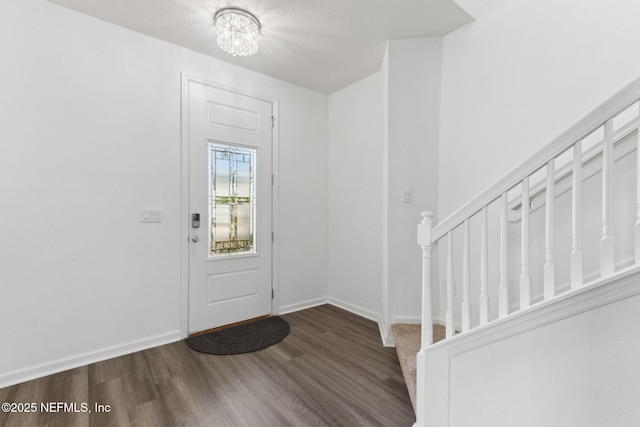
(238, 31)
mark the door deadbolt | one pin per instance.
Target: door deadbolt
(195, 220)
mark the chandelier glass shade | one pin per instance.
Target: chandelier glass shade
(238, 31)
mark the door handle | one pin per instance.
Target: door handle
(195, 238)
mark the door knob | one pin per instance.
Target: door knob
(195, 238)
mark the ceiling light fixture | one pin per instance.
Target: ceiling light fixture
(238, 31)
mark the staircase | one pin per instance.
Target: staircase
(542, 273)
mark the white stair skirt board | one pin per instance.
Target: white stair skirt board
(442, 360)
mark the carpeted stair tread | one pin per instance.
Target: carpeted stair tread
(407, 346)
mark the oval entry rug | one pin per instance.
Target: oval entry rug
(242, 338)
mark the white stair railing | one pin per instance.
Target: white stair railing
(564, 155)
(519, 180)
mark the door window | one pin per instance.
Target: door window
(231, 199)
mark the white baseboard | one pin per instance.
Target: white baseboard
(390, 340)
(355, 309)
(64, 364)
(407, 320)
(387, 339)
(303, 305)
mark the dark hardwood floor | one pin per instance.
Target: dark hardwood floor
(330, 371)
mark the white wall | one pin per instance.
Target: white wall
(522, 74)
(356, 153)
(479, 8)
(383, 139)
(90, 131)
(413, 131)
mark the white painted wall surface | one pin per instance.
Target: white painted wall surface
(479, 8)
(90, 130)
(413, 131)
(519, 76)
(383, 139)
(356, 143)
(486, 6)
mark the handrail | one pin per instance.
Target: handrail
(567, 168)
(588, 124)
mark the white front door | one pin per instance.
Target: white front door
(230, 144)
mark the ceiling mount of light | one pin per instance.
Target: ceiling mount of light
(238, 31)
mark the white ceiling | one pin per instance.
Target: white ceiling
(322, 45)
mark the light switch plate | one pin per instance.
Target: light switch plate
(406, 195)
(151, 215)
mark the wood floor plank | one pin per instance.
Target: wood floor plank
(330, 371)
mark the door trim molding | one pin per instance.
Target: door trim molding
(184, 194)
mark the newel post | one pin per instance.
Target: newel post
(424, 240)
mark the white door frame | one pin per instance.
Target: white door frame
(185, 214)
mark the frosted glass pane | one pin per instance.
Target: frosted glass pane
(222, 178)
(243, 179)
(244, 222)
(222, 223)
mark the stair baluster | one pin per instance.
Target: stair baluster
(606, 243)
(450, 328)
(550, 265)
(503, 290)
(637, 224)
(424, 240)
(466, 307)
(484, 268)
(577, 278)
(525, 278)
